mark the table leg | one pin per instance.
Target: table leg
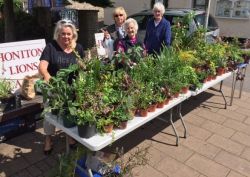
(67, 144)
(233, 88)
(182, 120)
(242, 81)
(175, 131)
(221, 83)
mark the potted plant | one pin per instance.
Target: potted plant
(60, 94)
(86, 122)
(105, 124)
(246, 55)
(7, 99)
(120, 115)
(234, 55)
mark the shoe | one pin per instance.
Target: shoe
(48, 144)
(48, 152)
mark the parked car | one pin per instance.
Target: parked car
(175, 15)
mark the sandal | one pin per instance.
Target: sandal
(72, 144)
(48, 152)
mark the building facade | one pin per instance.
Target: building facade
(233, 16)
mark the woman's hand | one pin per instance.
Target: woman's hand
(43, 66)
(106, 34)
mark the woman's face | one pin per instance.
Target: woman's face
(66, 36)
(131, 30)
(119, 18)
(157, 15)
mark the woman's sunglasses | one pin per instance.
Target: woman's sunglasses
(118, 15)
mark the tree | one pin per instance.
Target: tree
(9, 32)
(8, 7)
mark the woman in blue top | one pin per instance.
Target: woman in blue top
(158, 31)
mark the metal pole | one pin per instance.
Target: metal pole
(207, 15)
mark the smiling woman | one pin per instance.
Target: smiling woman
(57, 55)
(158, 30)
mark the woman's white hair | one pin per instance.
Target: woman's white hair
(131, 20)
(159, 6)
(65, 23)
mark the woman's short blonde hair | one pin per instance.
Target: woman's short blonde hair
(159, 6)
(131, 20)
(119, 10)
(65, 23)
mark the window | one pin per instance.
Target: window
(238, 9)
(200, 4)
(142, 21)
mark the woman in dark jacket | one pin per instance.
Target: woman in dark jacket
(158, 31)
(115, 32)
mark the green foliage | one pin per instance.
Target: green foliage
(182, 39)
(58, 91)
(26, 27)
(5, 88)
(104, 121)
(68, 162)
(18, 4)
(128, 59)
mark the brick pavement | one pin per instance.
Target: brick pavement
(217, 145)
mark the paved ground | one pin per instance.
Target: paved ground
(218, 142)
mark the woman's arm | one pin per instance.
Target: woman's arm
(167, 39)
(43, 70)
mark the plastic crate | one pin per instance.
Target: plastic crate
(81, 173)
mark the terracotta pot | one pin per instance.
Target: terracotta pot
(209, 78)
(160, 104)
(220, 71)
(176, 95)
(166, 101)
(123, 124)
(171, 98)
(152, 108)
(204, 80)
(133, 112)
(184, 90)
(108, 128)
(214, 77)
(143, 112)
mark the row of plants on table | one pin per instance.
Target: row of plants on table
(94, 94)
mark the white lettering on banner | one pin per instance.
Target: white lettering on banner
(19, 59)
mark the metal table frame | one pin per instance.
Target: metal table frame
(238, 75)
(98, 142)
(212, 83)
